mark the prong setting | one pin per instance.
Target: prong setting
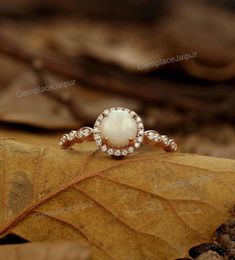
(134, 142)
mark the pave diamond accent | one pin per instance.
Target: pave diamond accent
(100, 117)
(68, 139)
(117, 153)
(139, 139)
(158, 138)
(110, 151)
(132, 113)
(165, 139)
(99, 142)
(154, 137)
(124, 152)
(104, 148)
(106, 112)
(174, 146)
(96, 128)
(141, 132)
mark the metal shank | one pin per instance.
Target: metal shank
(87, 134)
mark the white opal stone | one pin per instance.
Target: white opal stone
(118, 127)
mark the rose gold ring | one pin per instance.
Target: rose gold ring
(118, 131)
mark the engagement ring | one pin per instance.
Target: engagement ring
(118, 131)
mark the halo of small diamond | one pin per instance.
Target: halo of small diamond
(120, 151)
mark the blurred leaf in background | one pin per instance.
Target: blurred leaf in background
(172, 62)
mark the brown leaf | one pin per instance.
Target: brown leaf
(86, 52)
(45, 251)
(66, 105)
(151, 205)
(19, 106)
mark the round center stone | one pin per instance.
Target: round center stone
(118, 127)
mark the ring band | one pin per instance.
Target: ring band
(119, 132)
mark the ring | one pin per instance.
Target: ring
(118, 131)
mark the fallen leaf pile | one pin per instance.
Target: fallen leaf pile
(117, 64)
(151, 205)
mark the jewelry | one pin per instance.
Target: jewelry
(118, 131)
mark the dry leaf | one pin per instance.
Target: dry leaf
(37, 110)
(150, 205)
(101, 56)
(207, 28)
(68, 106)
(45, 251)
(204, 142)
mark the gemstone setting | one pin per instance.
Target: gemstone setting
(118, 131)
